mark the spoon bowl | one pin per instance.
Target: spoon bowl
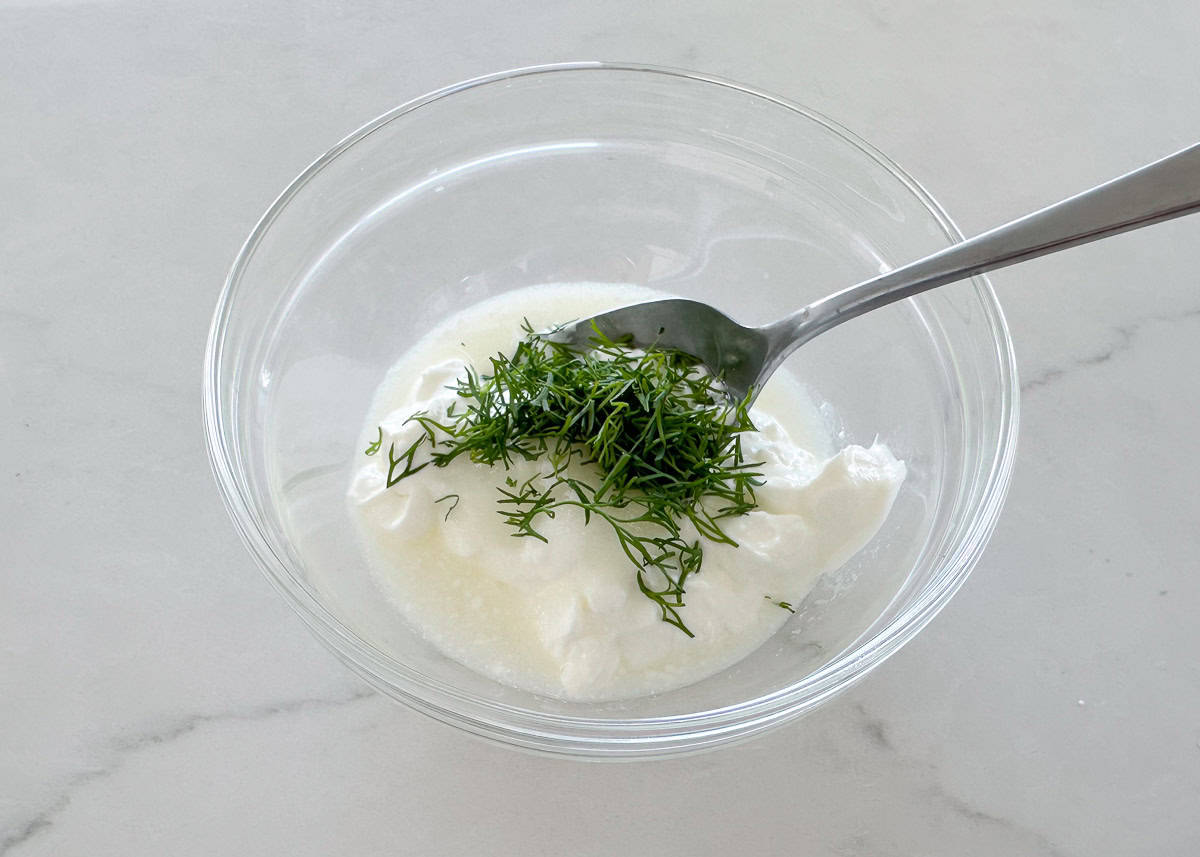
(728, 349)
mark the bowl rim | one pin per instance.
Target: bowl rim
(574, 734)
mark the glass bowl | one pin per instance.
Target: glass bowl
(605, 173)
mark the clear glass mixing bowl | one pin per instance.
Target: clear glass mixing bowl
(610, 173)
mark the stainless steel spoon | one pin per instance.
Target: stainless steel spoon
(748, 355)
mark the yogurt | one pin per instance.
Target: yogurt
(565, 618)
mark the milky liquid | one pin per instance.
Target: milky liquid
(566, 618)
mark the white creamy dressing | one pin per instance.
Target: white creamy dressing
(566, 618)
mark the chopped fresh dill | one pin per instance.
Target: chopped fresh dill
(786, 605)
(453, 505)
(661, 432)
(375, 445)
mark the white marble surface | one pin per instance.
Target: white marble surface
(157, 697)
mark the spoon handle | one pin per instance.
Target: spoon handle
(1158, 191)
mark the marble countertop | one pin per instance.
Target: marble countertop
(158, 698)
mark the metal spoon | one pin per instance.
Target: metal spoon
(749, 355)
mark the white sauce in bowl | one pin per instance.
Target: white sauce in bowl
(566, 618)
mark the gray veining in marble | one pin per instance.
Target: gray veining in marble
(156, 697)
